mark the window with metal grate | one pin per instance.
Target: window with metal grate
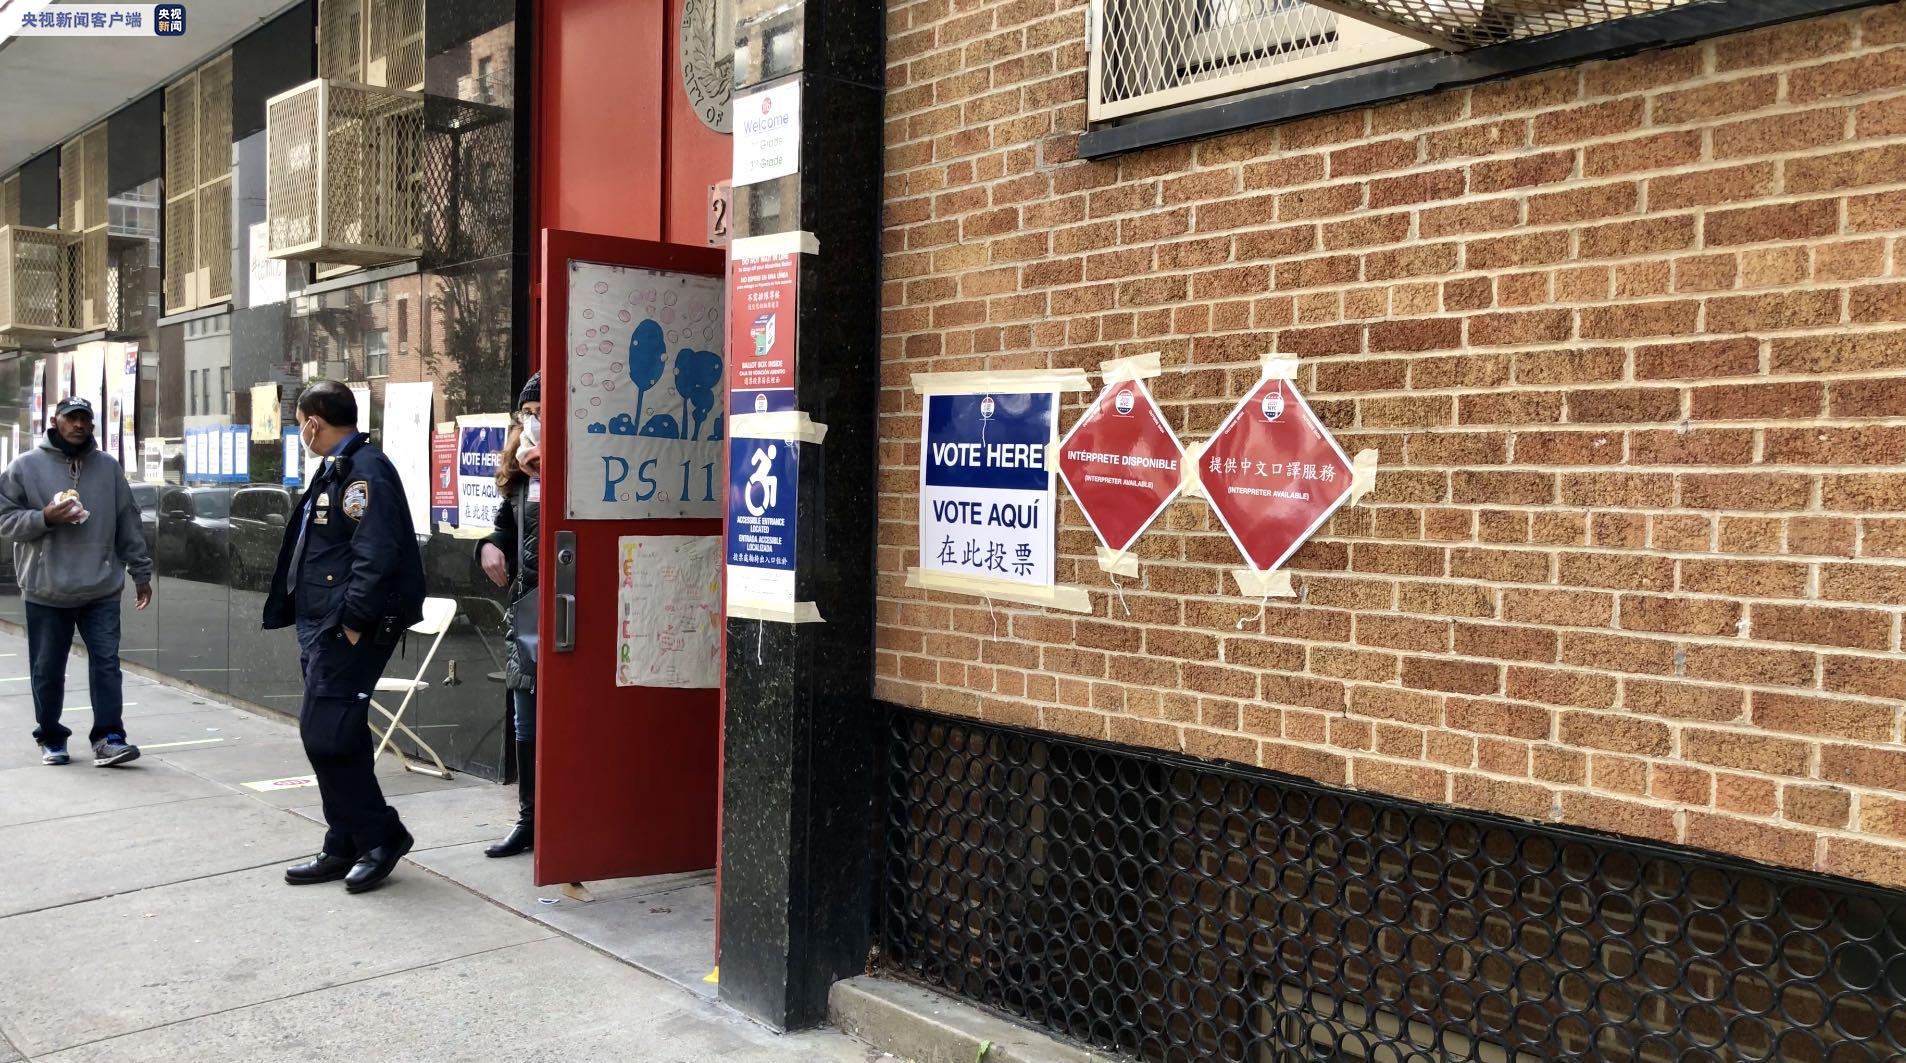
(1151, 54)
(1188, 912)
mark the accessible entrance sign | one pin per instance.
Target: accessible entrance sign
(1122, 462)
(1273, 473)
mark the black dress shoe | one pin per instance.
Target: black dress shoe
(376, 865)
(520, 839)
(321, 868)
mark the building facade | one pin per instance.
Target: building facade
(1623, 606)
(1577, 736)
(224, 337)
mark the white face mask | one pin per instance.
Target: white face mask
(309, 439)
(531, 439)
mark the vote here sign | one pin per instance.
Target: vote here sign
(986, 491)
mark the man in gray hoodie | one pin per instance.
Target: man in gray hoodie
(75, 530)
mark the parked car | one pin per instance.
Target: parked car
(258, 521)
(147, 497)
(193, 525)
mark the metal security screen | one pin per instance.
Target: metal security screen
(213, 261)
(1458, 25)
(343, 173)
(1182, 911)
(181, 192)
(1148, 54)
(38, 294)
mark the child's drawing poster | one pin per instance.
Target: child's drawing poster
(645, 375)
(668, 611)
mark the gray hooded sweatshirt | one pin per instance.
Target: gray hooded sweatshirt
(68, 565)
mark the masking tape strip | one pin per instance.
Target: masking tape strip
(1188, 484)
(1119, 563)
(1007, 380)
(1071, 599)
(802, 613)
(1257, 584)
(1136, 367)
(796, 242)
(1363, 474)
(777, 424)
(1279, 368)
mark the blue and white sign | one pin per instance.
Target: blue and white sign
(986, 488)
(479, 452)
(645, 386)
(760, 538)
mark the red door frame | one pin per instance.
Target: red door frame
(628, 779)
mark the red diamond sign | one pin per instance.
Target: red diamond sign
(1273, 473)
(1122, 462)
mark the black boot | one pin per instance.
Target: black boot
(522, 837)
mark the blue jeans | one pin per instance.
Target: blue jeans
(49, 640)
(523, 707)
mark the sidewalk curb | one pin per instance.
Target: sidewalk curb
(927, 1027)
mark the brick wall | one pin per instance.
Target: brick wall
(1630, 338)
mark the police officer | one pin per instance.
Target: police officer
(351, 579)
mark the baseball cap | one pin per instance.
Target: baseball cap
(73, 404)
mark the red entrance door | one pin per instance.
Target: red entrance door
(628, 774)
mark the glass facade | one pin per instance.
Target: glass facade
(209, 394)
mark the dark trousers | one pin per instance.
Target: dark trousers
(49, 640)
(334, 723)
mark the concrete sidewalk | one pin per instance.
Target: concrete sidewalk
(143, 916)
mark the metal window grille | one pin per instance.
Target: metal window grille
(39, 295)
(1186, 912)
(213, 260)
(1150, 54)
(83, 213)
(1459, 25)
(182, 150)
(395, 46)
(342, 173)
(341, 39)
(372, 42)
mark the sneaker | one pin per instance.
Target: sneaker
(112, 750)
(53, 754)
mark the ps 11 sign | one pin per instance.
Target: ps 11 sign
(985, 486)
(1273, 473)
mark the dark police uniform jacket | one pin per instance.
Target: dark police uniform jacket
(361, 567)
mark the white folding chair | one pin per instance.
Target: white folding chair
(438, 613)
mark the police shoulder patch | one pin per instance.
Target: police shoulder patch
(357, 499)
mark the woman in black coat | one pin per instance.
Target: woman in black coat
(508, 558)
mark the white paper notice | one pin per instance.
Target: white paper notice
(362, 393)
(767, 134)
(266, 283)
(668, 611)
(406, 441)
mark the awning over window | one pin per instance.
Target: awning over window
(1460, 25)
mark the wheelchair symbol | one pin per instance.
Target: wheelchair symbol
(762, 478)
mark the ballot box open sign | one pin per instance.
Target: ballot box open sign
(1273, 473)
(1122, 463)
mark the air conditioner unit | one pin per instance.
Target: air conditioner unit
(39, 289)
(343, 173)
